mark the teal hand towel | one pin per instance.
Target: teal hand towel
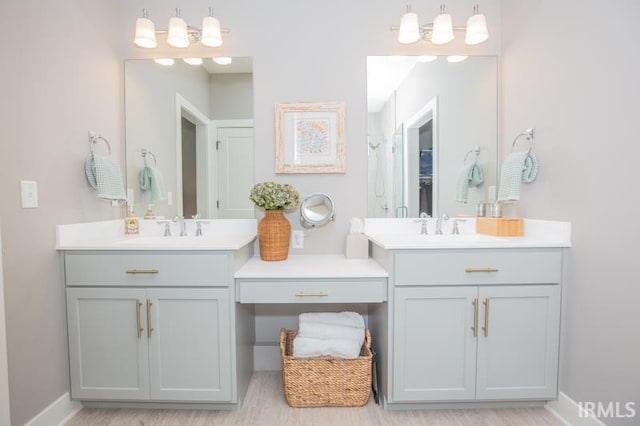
(470, 176)
(103, 174)
(518, 168)
(151, 180)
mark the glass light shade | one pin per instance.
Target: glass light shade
(427, 58)
(165, 61)
(476, 29)
(178, 32)
(145, 33)
(193, 61)
(456, 58)
(211, 35)
(222, 60)
(442, 29)
(409, 28)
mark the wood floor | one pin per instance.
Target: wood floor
(265, 405)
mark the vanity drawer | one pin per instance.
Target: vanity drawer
(484, 266)
(146, 269)
(312, 291)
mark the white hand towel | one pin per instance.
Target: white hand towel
(347, 319)
(104, 175)
(318, 330)
(305, 347)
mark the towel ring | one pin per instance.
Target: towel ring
(475, 150)
(94, 138)
(529, 135)
(146, 153)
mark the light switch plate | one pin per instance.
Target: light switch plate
(297, 239)
(29, 194)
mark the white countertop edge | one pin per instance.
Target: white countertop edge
(234, 243)
(311, 266)
(509, 242)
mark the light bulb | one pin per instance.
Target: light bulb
(211, 35)
(409, 28)
(427, 58)
(442, 28)
(178, 32)
(165, 61)
(193, 61)
(456, 58)
(222, 60)
(476, 31)
(145, 35)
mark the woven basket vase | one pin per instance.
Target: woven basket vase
(274, 231)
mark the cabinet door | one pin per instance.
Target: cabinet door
(190, 345)
(434, 355)
(518, 353)
(107, 350)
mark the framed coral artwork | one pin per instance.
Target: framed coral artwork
(310, 137)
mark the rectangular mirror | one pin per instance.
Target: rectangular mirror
(425, 120)
(189, 137)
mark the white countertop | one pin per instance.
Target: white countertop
(312, 266)
(219, 234)
(399, 234)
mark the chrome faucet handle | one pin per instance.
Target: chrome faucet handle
(199, 224)
(443, 217)
(183, 225)
(456, 230)
(423, 220)
(196, 216)
(167, 227)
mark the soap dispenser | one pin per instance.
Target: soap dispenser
(131, 224)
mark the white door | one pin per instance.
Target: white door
(434, 356)
(235, 172)
(189, 347)
(518, 352)
(107, 343)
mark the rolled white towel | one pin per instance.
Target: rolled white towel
(318, 330)
(347, 319)
(305, 347)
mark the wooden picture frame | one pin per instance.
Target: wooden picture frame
(310, 137)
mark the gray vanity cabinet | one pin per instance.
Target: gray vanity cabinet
(476, 343)
(471, 325)
(145, 327)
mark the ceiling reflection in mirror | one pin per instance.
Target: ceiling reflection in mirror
(424, 118)
(189, 138)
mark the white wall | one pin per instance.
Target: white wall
(231, 96)
(61, 75)
(5, 409)
(570, 69)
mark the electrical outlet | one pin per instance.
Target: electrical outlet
(297, 239)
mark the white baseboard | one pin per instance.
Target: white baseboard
(568, 411)
(60, 410)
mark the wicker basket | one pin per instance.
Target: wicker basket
(325, 381)
(274, 232)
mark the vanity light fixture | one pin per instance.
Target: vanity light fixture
(442, 30)
(179, 34)
(222, 60)
(456, 58)
(427, 58)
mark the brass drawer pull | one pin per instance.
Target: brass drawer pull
(470, 270)
(317, 294)
(149, 328)
(139, 329)
(142, 271)
(486, 317)
(475, 317)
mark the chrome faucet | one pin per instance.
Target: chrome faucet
(183, 225)
(199, 227)
(167, 227)
(443, 217)
(423, 220)
(456, 229)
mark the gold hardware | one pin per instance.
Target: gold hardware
(469, 270)
(142, 271)
(138, 328)
(149, 328)
(317, 294)
(486, 317)
(475, 317)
